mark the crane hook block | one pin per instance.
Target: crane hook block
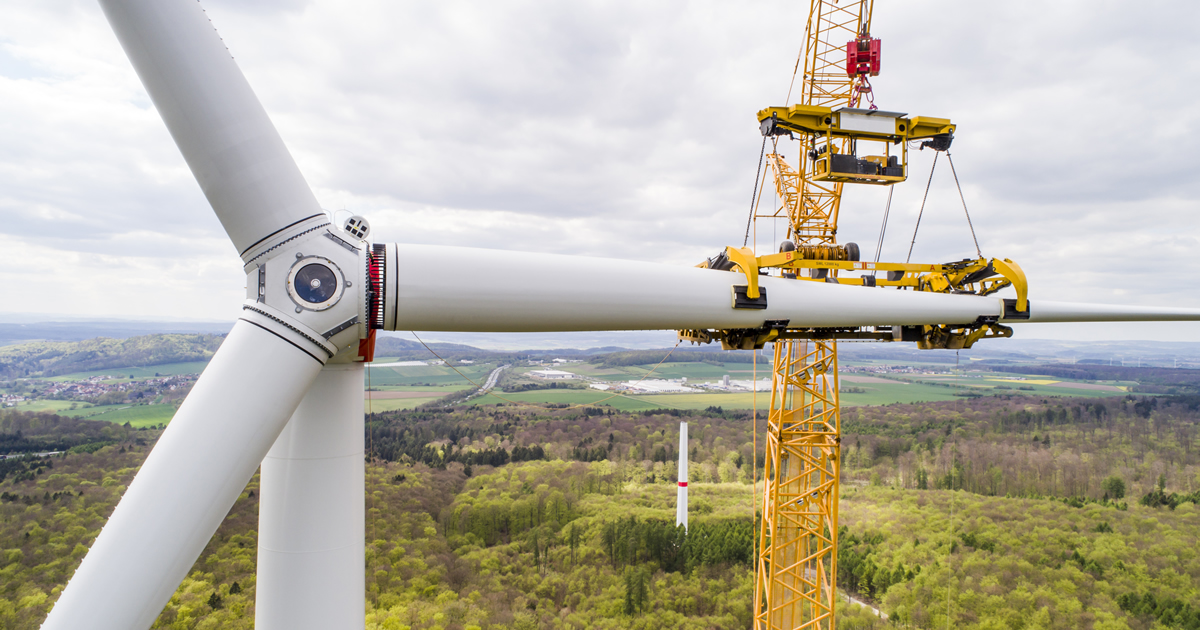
(862, 56)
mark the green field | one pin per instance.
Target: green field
(391, 404)
(901, 392)
(167, 369)
(438, 390)
(740, 400)
(586, 369)
(694, 371)
(690, 370)
(380, 406)
(996, 384)
(432, 374)
(570, 397)
(893, 391)
(136, 415)
(46, 405)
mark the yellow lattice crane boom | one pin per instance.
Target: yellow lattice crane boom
(841, 143)
(795, 583)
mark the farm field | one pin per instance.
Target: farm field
(593, 371)
(740, 400)
(875, 389)
(1013, 384)
(689, 370)
(167, 369)
(428, 375)
(379, 406)
(569, 397)
(56, 406)
(138, 416)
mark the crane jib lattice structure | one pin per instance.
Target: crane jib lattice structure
(796, 569)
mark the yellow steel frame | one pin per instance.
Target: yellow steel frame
(827, 131)
(980, 276)
(797, 562)
(796, 568)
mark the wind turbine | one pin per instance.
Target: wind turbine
(285, 390)
(681, 493)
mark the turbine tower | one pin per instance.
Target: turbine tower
(681, 506)
(285, 390)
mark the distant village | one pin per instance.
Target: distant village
(100, 389)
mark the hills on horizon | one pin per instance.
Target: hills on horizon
(584, 344)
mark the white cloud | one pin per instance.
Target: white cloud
(619, 128)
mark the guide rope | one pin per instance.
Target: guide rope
(525, 404)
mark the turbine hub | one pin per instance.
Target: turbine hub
(321, 289)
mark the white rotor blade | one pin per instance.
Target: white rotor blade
(216, 120)
(189, 482)
(478, 290)
(1046, 311)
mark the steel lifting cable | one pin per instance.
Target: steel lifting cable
(754, 197)
(964, 203)
(922, 212)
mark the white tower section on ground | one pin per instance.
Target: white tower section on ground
(681, 507)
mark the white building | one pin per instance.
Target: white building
(763, 385)
(657, 386)
(552, 375)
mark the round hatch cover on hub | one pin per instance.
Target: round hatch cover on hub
(315, 283)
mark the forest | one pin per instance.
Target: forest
(980, 513)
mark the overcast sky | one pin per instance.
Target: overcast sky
(621, 129)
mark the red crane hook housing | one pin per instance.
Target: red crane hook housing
(862, 56)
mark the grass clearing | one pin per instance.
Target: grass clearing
(570, 397)
(429, 375)
(380, 406)
(723, 400)
(137, 416)
(57, 406)
(439, 390)
(591, 370)
(166, 369)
